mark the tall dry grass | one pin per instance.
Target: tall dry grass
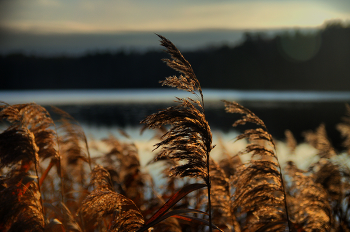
(49, 181)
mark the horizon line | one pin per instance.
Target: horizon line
(5, 30)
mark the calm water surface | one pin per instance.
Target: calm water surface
(297, 111)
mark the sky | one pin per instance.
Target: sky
(103, 17)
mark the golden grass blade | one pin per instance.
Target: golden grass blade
(311, 209)
(104, 204)
(189, 138)
(101, 179)
(37, 120)
(21, 208)
(189, 81)
(258, 185)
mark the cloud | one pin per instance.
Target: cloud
(66, 16)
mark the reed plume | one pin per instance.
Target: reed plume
(74, 156)
(36, 122)
(21, 208)
(17, 145)
(320, 141)
(103, 203)
(188, 81)
(72, 139)
(334, 177)
(100, 178)
(310, 206)
(223, 215)
(28, 139)
(29, 136)
(290, 140)
(123, 164)
(258, 185)
(333, 172)
(330, 176)
(189, 138)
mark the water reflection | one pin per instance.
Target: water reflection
(280, 110)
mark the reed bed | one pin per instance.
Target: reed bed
(49, 181)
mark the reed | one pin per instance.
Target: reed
(49, 182)
(190, 137)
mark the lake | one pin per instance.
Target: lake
(280, 110)
(101, 112)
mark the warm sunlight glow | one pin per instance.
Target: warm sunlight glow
(50, 16)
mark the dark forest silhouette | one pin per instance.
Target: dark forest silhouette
(317, 60)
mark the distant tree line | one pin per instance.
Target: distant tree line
(318, 60)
